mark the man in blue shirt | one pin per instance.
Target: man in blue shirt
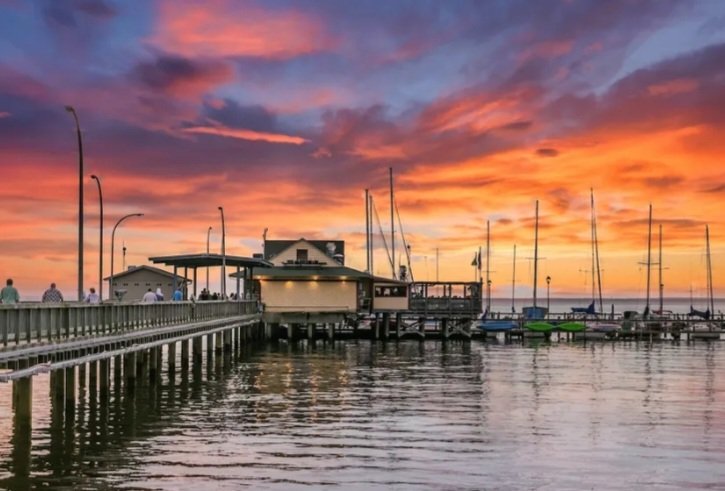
(9, 294)
(178, 296)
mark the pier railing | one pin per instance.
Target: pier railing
(36, 323)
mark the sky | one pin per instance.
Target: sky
(284, 112)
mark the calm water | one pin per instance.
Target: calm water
(358, 415)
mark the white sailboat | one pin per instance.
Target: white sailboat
(707, 327)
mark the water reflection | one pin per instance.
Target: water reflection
(361, 415)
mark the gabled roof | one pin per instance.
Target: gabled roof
(147, 268)
(273, 248)
(309, 272)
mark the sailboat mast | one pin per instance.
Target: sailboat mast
(709, 271)
(536, 250)
(649, 256)
(594, 266)
(513, 284)
(367, 231)
(372, 244)
(662, 285)
(437, 255)
(596, 255)
(488, 264)
(392, 224)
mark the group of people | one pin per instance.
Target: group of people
(151, 297)
(9, 295)
(206, 295)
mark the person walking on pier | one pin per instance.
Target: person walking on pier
(93, 297)
(9, 294)
(159, 295)
(52, 295)
(149, 297)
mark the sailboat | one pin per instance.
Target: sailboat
(535, 313)
(493, 325)
(706, 325)
(574, 326)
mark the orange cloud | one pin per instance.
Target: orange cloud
(672, 87)
(243, 134)
(213, 28)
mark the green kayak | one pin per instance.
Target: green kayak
(539, 326)
(572, 327)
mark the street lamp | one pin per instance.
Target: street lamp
(113, 236)
(207, 253)
(224, 257)
(80, 202)
(548, 298)
(100, 239)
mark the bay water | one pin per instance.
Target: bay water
(358, 415)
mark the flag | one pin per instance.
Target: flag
(476, 259)
(479, 263)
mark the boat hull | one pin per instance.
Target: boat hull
(572, 327)
(539, 326)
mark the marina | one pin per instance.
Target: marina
(410, 246)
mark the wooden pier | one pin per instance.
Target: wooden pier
(120, 345)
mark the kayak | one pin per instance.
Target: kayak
(572, 327)
(539, 326)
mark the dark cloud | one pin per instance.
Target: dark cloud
(67, 13)
(234, 115)
(96, 8)
(715, 189)
(663, 182)
(547, 152)
(179, 75)
(517, 126)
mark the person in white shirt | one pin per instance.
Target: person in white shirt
(93, 297)
(149, 297)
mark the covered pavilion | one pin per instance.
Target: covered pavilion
(204, 260)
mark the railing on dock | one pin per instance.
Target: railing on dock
(29, 323)
(448, 297)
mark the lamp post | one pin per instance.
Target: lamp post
(548, 298)
(207, 252)
(71, 110)
(113, 236)
(100, 239)
(224, 257)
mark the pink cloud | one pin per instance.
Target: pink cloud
(244, 134)
(215, 28)
(547, 49)
(673, 87)
(4, 114)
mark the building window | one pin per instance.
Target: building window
(302, 255)
(391, 291)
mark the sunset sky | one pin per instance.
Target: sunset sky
(284, 112)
